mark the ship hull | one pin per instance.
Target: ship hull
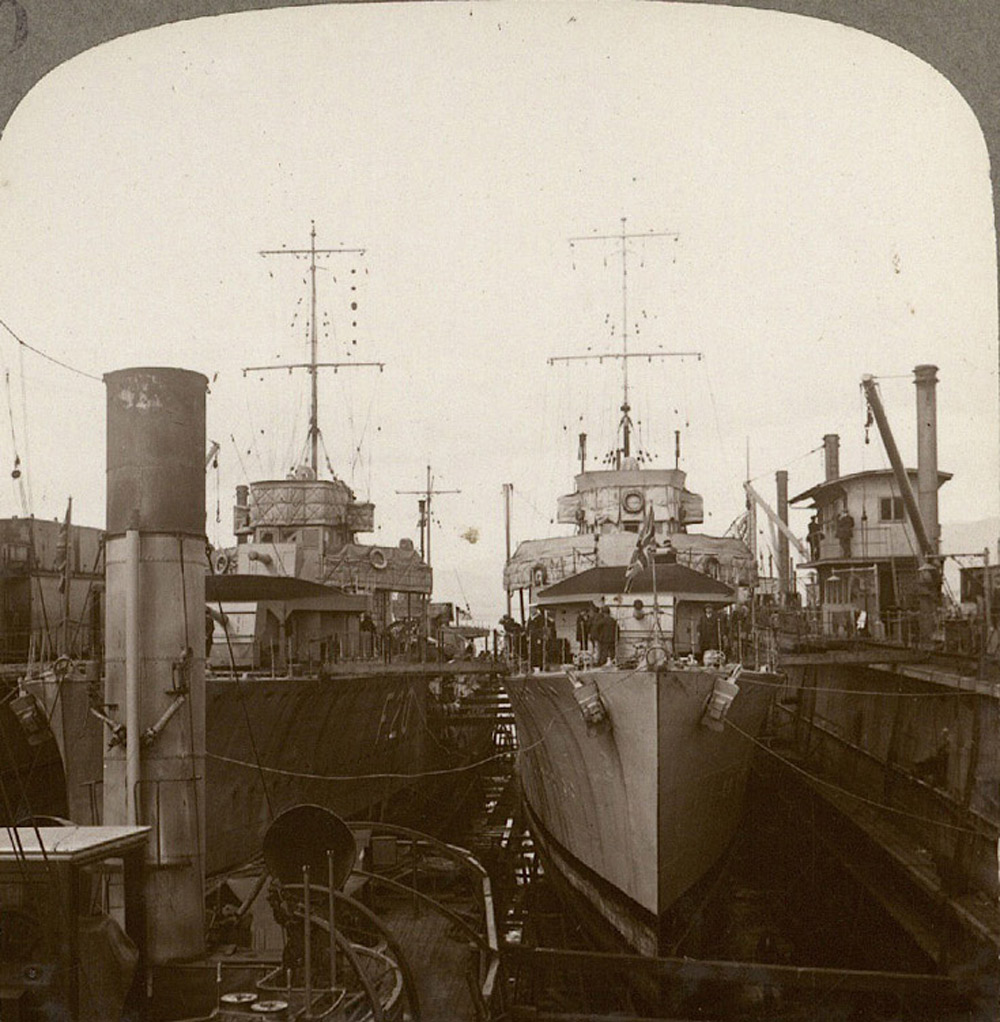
(348, 744)
(362, 745)
(632, 815)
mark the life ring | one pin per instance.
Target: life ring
(539, 575)
(377, 559)
(220, 562)
(633, 501)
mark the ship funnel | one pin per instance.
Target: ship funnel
(302, 836)
(925, 380)
(831, 456)
(154, 769)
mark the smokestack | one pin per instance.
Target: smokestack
(925, 380)
(155, 639)
(781, 483)
(831, 456)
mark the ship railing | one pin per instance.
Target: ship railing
(406, 862)
(941, 631)
(521, 654)
(42, 645)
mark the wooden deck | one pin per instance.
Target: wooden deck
(441, 958)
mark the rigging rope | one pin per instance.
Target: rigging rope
(850, 794)
(49, 358)
(377, 777)
(243, 704)
(13, 440)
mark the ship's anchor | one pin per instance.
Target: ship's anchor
(588, 698)
(721, 698)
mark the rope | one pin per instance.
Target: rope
(243, 704)
(49, 358)
(375, 777)
(850, 794)
(859, 692)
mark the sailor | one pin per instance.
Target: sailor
(550, 642)
(367, 628)
(845, 530)
(536, 632)
(583, 629)
(813, 536)
(605, 633)
(708, 632)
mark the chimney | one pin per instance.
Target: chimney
(784, 574)
(925, 380)
(831, 456)
(155, 639)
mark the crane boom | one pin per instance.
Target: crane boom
(926, 547)
(776, 521)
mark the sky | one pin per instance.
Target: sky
(828, 191)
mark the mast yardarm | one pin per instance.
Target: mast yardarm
(313, 365)
(625, 423)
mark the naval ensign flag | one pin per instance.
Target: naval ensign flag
(642, 555)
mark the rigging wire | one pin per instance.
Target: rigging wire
(26, 475)
(50, 358)
(239, 458)
(950, 693)
(335, 778)
(17, 474)
(243, 705)
(850, 794)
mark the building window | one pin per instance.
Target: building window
(890, 509)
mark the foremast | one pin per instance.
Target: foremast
(623, 450)
(314, 365)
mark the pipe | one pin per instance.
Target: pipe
(307, 940)
(831, 456)
(132, 652)
(330, 890)
(925, 380)
(902, 479)
(784, 574)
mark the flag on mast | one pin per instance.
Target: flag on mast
(642, 555)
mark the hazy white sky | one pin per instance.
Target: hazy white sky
(831, 195)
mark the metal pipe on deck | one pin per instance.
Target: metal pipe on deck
(132, 652)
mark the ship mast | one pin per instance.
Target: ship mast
(313, 365)
(625, 425)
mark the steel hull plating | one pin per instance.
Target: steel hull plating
(359, 738)
(633, 815)
(353, 744)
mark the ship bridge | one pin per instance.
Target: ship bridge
(617, 500)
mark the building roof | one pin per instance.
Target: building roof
(875, 473)
(670, 578)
